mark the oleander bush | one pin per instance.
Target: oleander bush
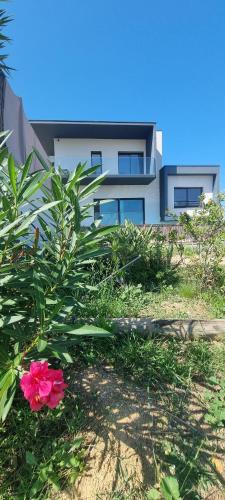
(45, 260)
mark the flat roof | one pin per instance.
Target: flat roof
(48, 130)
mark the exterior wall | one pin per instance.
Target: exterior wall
(150, 193)
(203, 181)
(68, 152)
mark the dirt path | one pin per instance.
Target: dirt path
(119, 447)
(127, 427)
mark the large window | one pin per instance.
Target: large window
(96, 159)
(187, 197)
(130, 163)
(119, 210)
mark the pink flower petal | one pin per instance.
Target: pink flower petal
(36, 404)
(28, 386)
(38, 368)
(54, 399)
(45, 388)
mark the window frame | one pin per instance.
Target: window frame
(118, 205)
(100, 165)
(129, 153)
(188, 203)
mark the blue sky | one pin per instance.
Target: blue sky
(144, 60)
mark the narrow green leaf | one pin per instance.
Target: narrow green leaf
(92, 330)
(91, 188)
(7, 399)
(39, 297)
(12, 173)
(8, 320)
(26, 169)
(38, 179)
(45, 165)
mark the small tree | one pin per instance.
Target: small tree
(206, 227)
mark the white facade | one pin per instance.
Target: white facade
(69, 152)
(68, 143)
(205, 182)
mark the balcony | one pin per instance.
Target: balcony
(124, 169)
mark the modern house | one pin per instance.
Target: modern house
(140, 188)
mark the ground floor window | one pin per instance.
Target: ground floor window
(117, 211)
(187, 197)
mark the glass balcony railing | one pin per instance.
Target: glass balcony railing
(123, 166)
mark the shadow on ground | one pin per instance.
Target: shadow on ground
(133, 436)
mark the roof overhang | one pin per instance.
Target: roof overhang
(47, 131)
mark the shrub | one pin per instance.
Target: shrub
(154, 252)
(44, 256)
(207, 228)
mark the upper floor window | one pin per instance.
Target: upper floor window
(117, 211)
(96, 159)
(187, 197)
(130, 163)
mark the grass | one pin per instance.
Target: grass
(40, 451)
(182, 301)
(153, 361)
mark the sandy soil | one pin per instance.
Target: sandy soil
(125, 427)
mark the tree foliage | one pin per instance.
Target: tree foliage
(206, 227)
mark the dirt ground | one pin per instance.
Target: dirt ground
(179, 308)
(125, 432)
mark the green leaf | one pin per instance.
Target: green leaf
(170, 488)
(12, 173)
(7, 392)
(42, 344)
(26, 169)
(92, 186)
(7, 400)
(9, 320)
(91, 330)
(37, 180)
(153, 494)
(45, 165)
(30, 458)
(39, 297)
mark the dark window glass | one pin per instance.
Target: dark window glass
(96, 159)
(194, 194)
(187, 197)
(119, 210)
(108, 211)
(132, 211)
(130, 163)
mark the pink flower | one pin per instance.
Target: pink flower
(42, 386)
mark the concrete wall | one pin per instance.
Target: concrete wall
(203, 181)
